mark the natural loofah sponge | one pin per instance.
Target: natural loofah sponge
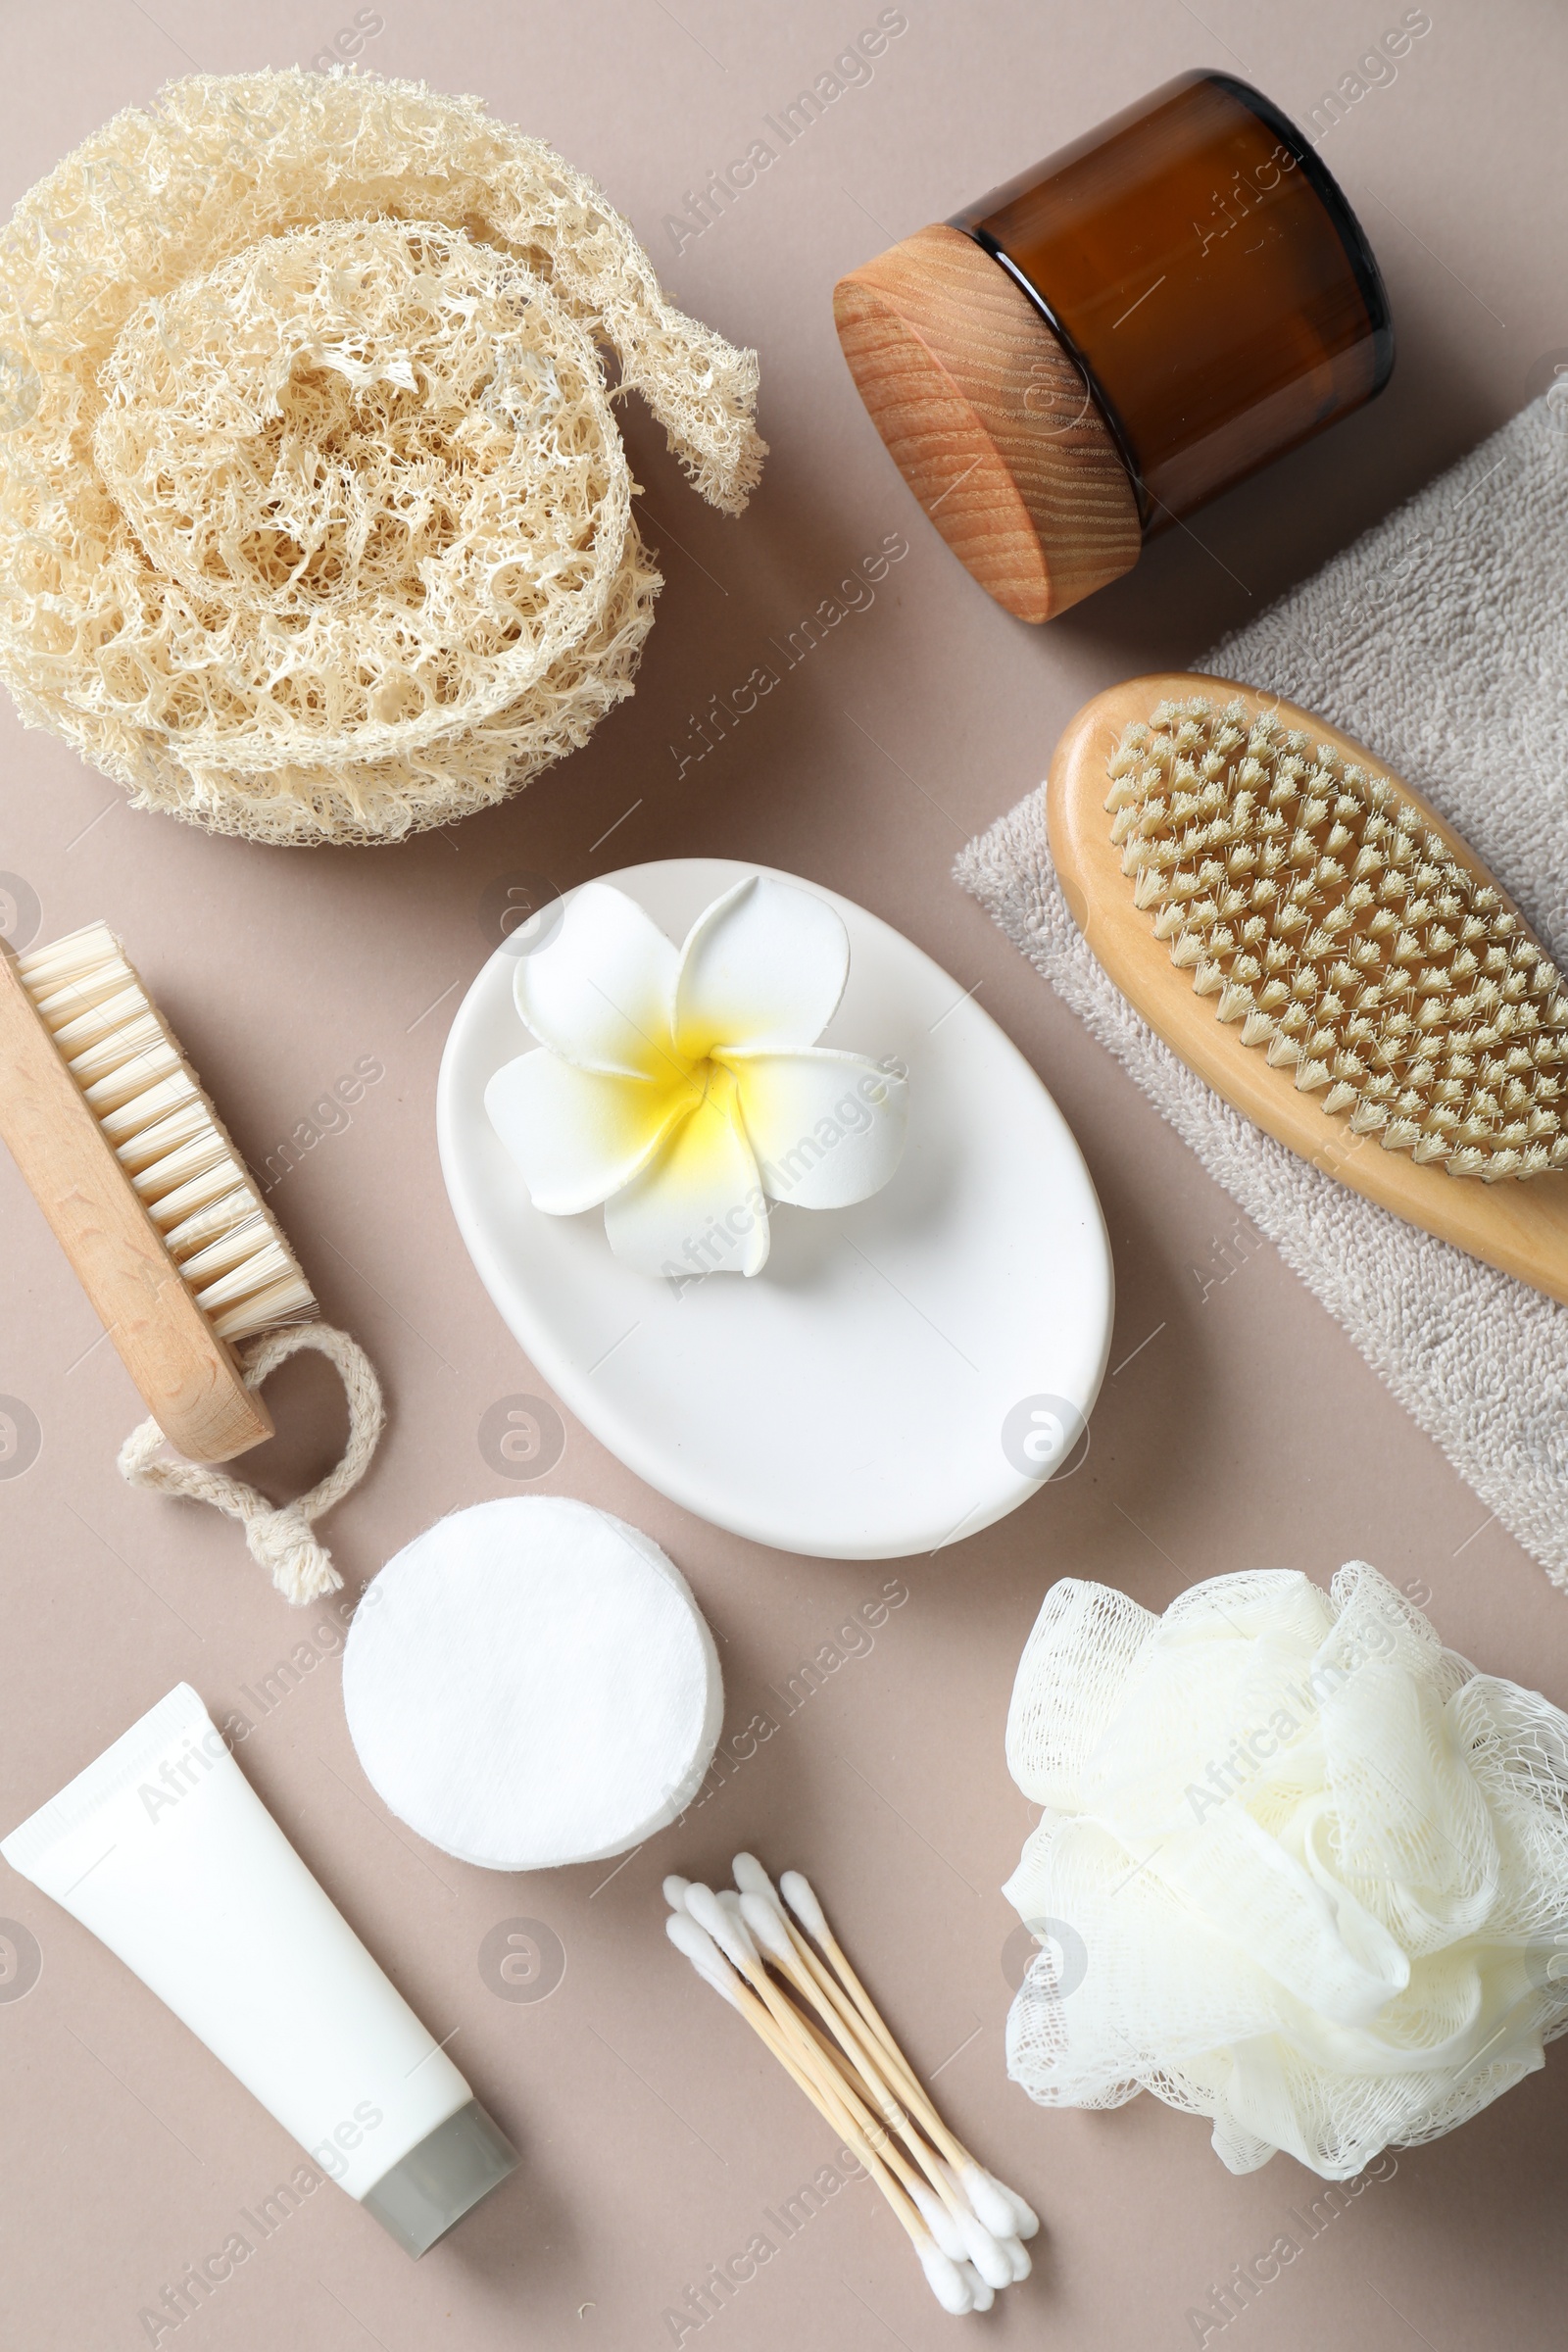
(1307, 1869)
(314, 520)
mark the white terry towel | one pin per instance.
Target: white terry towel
(1439, 640)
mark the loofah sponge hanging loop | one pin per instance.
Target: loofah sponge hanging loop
(314, 520)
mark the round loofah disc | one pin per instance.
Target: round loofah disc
(530, 1683)
(315, 519)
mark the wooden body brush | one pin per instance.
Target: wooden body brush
(146, 1195)
(1314, 940)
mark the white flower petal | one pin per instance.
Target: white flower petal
(827, 1128)
(763, 967)
(579, 1135)
(699, 1208)
(599, 993)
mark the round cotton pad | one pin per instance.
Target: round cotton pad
(530, 1682)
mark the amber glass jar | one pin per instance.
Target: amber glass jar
(1117, 335)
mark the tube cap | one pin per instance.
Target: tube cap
(437, 2181)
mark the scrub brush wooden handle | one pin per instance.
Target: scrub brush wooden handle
(188, 1376)
(1312, 938)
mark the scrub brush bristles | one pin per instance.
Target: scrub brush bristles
(1325, 916)
(165, 1135)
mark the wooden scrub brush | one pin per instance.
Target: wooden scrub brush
(1310, 937)
(146, 1195)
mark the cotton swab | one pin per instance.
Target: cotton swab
(989, 2252)
(1004, 2214)
(708, 1955)
(1002, 2211)
(938, 2220)
(800, 1995)
(987, 2258)
(721, 1934)
(770, 1929)
(731, 1932)
(1026, 2222)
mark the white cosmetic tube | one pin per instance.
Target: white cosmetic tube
(164, 1850)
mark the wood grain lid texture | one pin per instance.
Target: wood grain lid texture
(990, 422)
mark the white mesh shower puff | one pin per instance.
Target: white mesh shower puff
(1310, 1866)
(315, 519)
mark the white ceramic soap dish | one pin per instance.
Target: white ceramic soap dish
(902, 1373)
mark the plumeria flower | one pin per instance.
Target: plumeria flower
(684, 1088)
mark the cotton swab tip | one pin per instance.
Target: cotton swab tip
(721, 1979)
(688, 1937)
(1025, 2221)
(1017, 2254)
(751, 1879)
(991, 2204)
(983, 2296)
(767, 1925)
(982, 2249)
(697, 1947)
(675, 1891)
(730, 1933)
(945, 2280)
(938, 2220)
(797, 1892)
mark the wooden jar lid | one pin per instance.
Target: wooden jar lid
(989, 420)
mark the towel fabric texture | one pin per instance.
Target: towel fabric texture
(1439, 640)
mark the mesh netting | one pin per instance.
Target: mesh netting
(314, 520)
(1315, 1866)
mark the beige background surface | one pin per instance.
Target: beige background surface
(1239, 1428)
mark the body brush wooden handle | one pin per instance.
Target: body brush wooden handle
(189, 1378)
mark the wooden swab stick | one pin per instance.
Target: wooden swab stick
(846, 2085)
(815, 2081)
(849, 1998)
(812, 2009)
(998, 2260)
(773, 1932)
(731, 1938)
(953, 2290)
(1002, 2213)
(704, 1954)
(798, 1894)
(1006, 2215)
(729, 1930)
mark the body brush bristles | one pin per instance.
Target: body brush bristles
(129, 1067)
(1325, 916)
(145, 1193)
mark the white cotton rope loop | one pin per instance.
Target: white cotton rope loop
(280, 1537)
